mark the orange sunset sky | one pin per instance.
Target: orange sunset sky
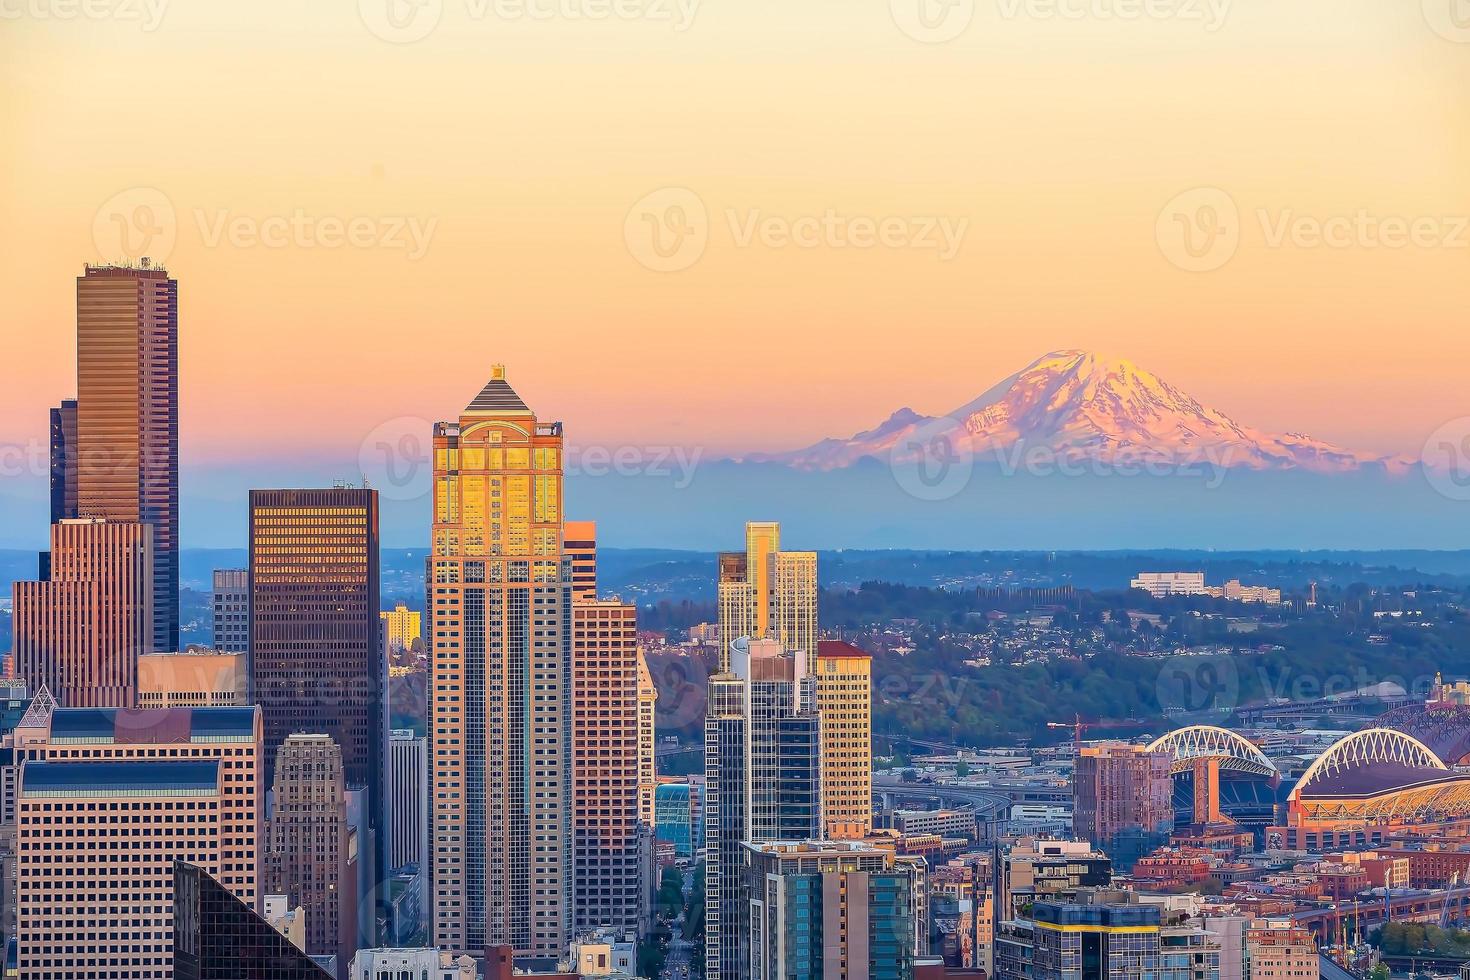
(1057, 132)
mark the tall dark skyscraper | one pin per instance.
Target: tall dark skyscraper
(127, 417)
(316, 661)
(64, 461)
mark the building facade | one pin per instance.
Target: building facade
(500, 635)
(839, 910)
(81, 630)
(401, 627)
(647, 742)
(307, 857)
(95, 844)
(408, 800)
(127, 417)
(231, 607)
(580, 545)
(845, 698)
(218, 937)
(316, 660)
(763, 752)
(198, 678)
(1123, 799)
(765, 593)
(64, 461)
(680, 816)
(604, 765)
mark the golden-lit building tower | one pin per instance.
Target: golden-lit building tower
(766, 593)
(647, 747)
(579, 541)
(81, 629)
(500, 635)
(401, 626)
(845, 699)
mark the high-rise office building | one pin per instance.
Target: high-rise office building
(1123, 799)
(316, 661)
(81, 631)
(408, 800)
(64, 461)
(229, 736)
(767, 593)
(307, 856)
(835, 909)
(500, 629)
(680, 814)
(95, 844)
(219, 937)
(127, 416)
(231, 601)
(580, 545)
(845, 699)
(647, 742)
(763, 764)
(604, 764)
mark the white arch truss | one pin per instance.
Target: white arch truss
(1371, 745)
(1210, 742)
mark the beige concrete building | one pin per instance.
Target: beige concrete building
(81, 629)
(401, 627)
(765, 593)
(647, 742)
(500, 616)
(845, 698)
(196, 678)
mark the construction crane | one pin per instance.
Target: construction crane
(1078, 726)
(1444, 908)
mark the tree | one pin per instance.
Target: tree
(1380, 971)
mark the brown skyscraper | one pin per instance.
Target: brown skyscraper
(605, 763)
(306, 857)
(127, 417)
(316, 660)
(81, 630)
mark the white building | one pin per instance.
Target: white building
(1159, 584)
(386, 964)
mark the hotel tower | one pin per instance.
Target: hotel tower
(500, 601)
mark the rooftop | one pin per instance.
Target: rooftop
(497, 397)
(119, 778)
(840, 648)
(152, 726)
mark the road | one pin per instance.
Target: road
(679, 963)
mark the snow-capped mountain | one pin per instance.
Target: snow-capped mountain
(1076, 405)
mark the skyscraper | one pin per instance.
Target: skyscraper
(845, 699)
(408, 800)
(127, 416)
(316, 662)
(500, 629)
(307, 857)
(219, 937)
(763, 761)
(81, 631)
(605, 766)
(765, 593)
(231, 602)
(647, 742)
(64, 461)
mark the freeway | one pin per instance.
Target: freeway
(987, 803)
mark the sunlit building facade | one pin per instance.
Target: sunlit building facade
(844, 681)
(500, 635)
(765, 593)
